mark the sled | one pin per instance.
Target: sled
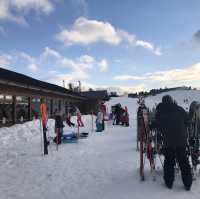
(73, 140)
(69, 138)
(83, 135)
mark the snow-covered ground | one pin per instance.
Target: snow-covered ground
(103, 166)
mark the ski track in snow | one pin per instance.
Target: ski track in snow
(103, 166)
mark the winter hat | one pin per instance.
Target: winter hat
(167, 99)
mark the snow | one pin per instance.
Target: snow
(103, 166)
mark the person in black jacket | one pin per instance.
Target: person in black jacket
(172, 121)
(58, 127)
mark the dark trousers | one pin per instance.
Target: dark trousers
(69, 123)
(179, 155)
(59, 134)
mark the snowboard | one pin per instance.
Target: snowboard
(69, 138)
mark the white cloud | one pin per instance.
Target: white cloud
(33, 67)
(48, 52)
(128, 77)
(79, 68)
(189, 73)
(87, 59)
(103, 65)
(85, 32)
(5, 60)
(29, 61)
(14, 10)
(174, 77)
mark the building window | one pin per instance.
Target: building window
(55, 105)
(48, 105)
(35, 108)
(5, 109)
(21, 108)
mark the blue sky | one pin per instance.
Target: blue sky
(125, 45)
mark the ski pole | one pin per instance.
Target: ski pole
(57, 139)
(41, 136)
(78, 131)
(92, 122)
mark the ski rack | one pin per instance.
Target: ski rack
(147, 142)
(150, 143)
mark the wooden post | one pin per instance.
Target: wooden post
(59, 105)
(92, 122)
(14, 109)
(78, 132)
(29, 108)
(51, 108)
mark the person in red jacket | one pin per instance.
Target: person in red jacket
(79, 119)
(103, 110)
(68, 120)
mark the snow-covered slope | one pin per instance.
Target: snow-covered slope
(103, 166)
(178, 95)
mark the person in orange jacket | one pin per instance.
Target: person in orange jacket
(43, 112)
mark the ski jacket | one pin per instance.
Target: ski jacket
(43, 113)
(172, 120)
(99, 118)
(58, 121)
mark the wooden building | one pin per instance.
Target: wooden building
(20, 97)
(94, 99)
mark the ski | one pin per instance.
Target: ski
(44, 127)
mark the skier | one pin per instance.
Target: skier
(79, 120)
(68, 120)
(125, 117)
(118, 113)
(58, 127)
(172, 121)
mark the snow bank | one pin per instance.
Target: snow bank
(103, 166)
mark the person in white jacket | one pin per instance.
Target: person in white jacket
(99, 122)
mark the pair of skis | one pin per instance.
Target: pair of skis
(43, 128)
(146, 145)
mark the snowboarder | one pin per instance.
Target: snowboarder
(172, 121)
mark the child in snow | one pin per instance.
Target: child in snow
(125, 117)
(68, 120)
(79, 120)
(58, 127)
(103, 111)
(99, 122)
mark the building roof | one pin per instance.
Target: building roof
(101, 94)
(14, 78)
